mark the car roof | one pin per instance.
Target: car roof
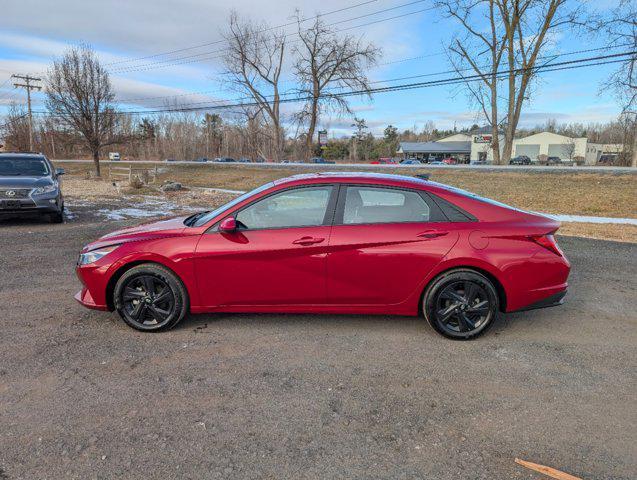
(352, 177)
(22, 155)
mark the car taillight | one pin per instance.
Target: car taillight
(547, 241)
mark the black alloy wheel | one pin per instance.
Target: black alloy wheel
(461, 304)
(149, 297)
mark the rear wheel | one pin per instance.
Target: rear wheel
(461, 304)
(150, 298)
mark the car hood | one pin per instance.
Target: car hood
(169, 227)
(24, 182)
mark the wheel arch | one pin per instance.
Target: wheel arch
(122, 269)
(502, 296)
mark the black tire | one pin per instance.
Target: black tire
(57, 217)
(460, 304)
(150, 298)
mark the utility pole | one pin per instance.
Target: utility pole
(28, 86)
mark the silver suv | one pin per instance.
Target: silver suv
(30, 185)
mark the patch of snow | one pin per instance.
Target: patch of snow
(220, 190)
(68, 214)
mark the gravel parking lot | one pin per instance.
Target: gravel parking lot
(307, 397)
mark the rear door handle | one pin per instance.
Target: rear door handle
(431, 234)
(308, 241)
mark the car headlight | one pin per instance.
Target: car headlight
(95, 255)
(47, 189)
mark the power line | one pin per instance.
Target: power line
(433, 74)
(567, 65)
(222, 40)
(211, 55)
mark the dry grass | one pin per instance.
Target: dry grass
(618, 233)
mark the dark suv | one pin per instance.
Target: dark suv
(520, 160)
(30, 185)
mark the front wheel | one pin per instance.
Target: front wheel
(461, 304)
(150, 298)
(57, 217)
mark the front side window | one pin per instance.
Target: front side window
(384, 205)
(299, 207)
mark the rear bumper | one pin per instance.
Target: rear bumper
(550, 301)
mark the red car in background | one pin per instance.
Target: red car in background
(333, 243)
(384, 161)
(449, 161)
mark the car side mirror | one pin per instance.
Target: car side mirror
(228, 225)
(59, 171)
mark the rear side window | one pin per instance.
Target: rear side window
(300, 207)
(383, 205)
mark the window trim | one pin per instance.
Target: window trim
(327, 218)
(447, 207)
(435, 213)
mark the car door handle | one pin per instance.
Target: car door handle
(431, 234)
(308, 241)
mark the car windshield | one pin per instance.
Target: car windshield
(205, 217)
(28, 167)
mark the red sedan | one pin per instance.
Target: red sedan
(333, 243)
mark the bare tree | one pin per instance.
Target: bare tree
(78, 91)
(254, 64)
(326, 63)
(515, 33)
(620, 29)
(16, 129)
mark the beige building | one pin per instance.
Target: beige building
(546, 144)
(476, 146)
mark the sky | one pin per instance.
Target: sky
(131, 38)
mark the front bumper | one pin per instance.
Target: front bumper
(31, 205)
(85, 299)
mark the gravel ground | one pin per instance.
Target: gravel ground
(306, 397)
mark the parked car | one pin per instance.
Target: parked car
(321, 160)
(384, 161)
(553, 161)
(225, 159)
(114, 156)
(30, 185)
(411, 161)
(243, 160)
(201, 160)
(436, 162)
(171, 159)
(520, 160)
(478, 162)
(449, 161)
(397, 245)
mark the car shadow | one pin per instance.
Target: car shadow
(30, 219)
(200, 323)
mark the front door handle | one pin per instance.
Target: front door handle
(431, 234)
(308, 241)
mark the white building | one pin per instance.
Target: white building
(545, 144)
(476, 146)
